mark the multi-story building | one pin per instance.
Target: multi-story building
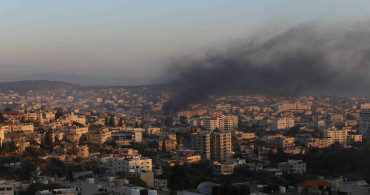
(214, 146)
(364, 123)
(223, 123)
(293, 167)
(282, 123)
(98, 136)
(319, 143)
(202, 141)
(129, 165)
(337, 136)
(222, 168)
(296, 106)
(354, 138)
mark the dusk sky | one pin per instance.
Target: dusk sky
(99, 38)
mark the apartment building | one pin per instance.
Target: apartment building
(336, 136)
(129, 165)
(364, 122)
(293, 167)
(296, 106)
(214, 146)
(282, 123)
(319, 142)
(223, 123)
(98, 136)
(223, 168)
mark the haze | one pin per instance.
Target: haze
(132, 42)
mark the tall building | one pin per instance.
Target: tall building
(364, 122)
(336, 135)
(223, 123)
(214, 146)
(296, 106)
(282, 123)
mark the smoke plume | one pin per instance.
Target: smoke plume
(306, 60)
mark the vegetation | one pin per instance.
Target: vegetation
(136, 181)
(33, 188)
(8, 147)
(178, 180)
(334, 160)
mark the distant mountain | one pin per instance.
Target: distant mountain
(12, 73)
(36, 85)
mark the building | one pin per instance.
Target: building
(319, 143)
(273, 171)
(222, 168)
(293, 167)
(296, 106)
(364, 123)
(336, 136)
(282, 123)
(213, 146)
(222, 123)
(129, 165)
(98, 136)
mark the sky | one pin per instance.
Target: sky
(134, 41)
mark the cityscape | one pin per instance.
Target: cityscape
(184, 98)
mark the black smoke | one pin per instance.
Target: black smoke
(306, 60)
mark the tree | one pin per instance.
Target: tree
(111, 121)
(168, 121)
(69, 176)
(59, 113)
(33, 188)
(120, 122)
(183, 120)
(2, 118)
(8, 147)
(164, 145)
(48, 140)
(178, 180)
(23, 119)
(136, 182)
(7, 109)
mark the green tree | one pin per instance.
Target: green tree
(178, 180)
(7, 109)
(111, 121)
(136, 182)
(33, 188)
(120, 122)
(164, 145)
(69, 176)
(59, 113)
(8, 147)
(48, 140)
(183, 120)
(168, 121)
(2, 118)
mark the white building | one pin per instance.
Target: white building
(126, 165)
(223, 123)
(282, 123)
(293, 167)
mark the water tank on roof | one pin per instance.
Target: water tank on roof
(135, 191)
(110, 179)
(282, 189)
(90, 180)
(152, 192)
